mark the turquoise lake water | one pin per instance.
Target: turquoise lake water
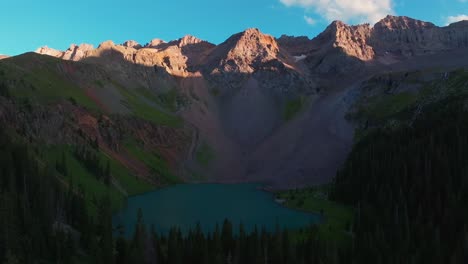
(208, 204)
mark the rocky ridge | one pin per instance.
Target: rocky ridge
(397, 35)
(392, 39)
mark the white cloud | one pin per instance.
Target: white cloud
(463, 1)
(347, 10)
(457, 18)
(309, 20)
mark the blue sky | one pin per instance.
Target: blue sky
(27, 24)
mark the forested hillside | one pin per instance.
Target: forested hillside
(409, 185)
(44, 219)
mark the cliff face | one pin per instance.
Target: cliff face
(409, 37)
(399, 36)
(74, 52)
(245, 52)
(352, 40)
(296, 46)
(176, 56)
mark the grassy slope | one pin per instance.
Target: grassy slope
(379, 108)
(125, 178)
(398, 108)
(81, 177)
(293, 107)
(153, 160)
(383, 106)
(337, 217)
(94, 188)
(145, 111)
(205, 155)
(39, 79)
(42, 83)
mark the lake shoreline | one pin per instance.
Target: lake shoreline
(184, 205)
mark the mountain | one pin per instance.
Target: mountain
(392, 39)
(376, 113)
(253, 108)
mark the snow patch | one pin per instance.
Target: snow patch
(299, 58)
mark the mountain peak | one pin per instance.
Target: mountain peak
(252, 31)
(106, 44)
(253, 36)
(154, 43)
(244, 50)
(461, 24)
(131, 44)
(338, 23)
(45, 50)
(188, 40)
(402, 22)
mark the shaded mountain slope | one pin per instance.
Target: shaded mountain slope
(124, 145)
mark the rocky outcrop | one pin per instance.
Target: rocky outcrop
(131, 44)
(245, 52)
(178, 57)
(74, 52)
(49, 51)
(252, 53)
(405, 36)
(339, 48)
(394, 35)
(352, 40)
(77, 53)
(154, 43)
(342, 47)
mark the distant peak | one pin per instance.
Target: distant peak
(402, 22)
(83, 47)
(189, 40)
(246, 49)
(463, 23)
(252, 31)
(253, 34)
(154, 43)
(335, 26)
(45, 50)
(338, 23)
(131, 44)
(107, 44)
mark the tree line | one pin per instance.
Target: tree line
(410, 189)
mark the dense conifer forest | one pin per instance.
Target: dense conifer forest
(410, 189)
